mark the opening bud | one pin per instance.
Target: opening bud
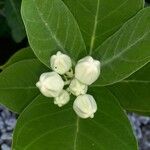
(87, 70)
(77, 88)
(85, 106)
(60, 63)
(50, 84)
(62, 99)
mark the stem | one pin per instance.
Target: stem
(70, 73)
(67, 82)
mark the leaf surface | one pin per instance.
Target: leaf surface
(23, 54)
(51, 27)
(126, 51)
(134, 92)
(60, 129)
(17, 84)
(98, 19)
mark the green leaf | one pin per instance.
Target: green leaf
(60, 129)
(126, 51)
(98, 19)
(25, 53)
(51, 27)
(17, 84)
(134, 92)
(13, 16)
(4, 29)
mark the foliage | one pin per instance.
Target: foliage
(117, 33)
(10, 10)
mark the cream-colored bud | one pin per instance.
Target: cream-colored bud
(77, 88)
(87, 70)
(85, 106)
(60, 63)
(50, 84)
(62, 99)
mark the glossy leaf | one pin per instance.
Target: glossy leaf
(126, 51)
(134, 92)
(98, 19)
(57, 128)
(51, 27)
(23, 54)
(13, 16)
(17, 84)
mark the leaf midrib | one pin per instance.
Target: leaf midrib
(95, 27)
(76, 125)
(127, 81)
(136, 81)
(48, 28)
(76, 134)
(106, 62)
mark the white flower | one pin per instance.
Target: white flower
(50, 84)
(85, 106)
(60, 63)
(62, 99)
(77, 88)
(87, 70)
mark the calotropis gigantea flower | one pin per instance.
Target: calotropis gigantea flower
(60, 63)
(77, 88)
(50, 84)
(62, 99)
(87, 70)
(85, 106)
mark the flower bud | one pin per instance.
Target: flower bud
(62, 99)
(87, 70)
(50, 84)
(60, 63)
(77, 88)
(85, 106)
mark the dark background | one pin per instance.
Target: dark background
(7, 45)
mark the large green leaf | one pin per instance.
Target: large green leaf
(51, 27)
(23, 54)
(54, 128)
(13, 16)
(98, 19)
(126, 51)
(17, 84)
(134, 92)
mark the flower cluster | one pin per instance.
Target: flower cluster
(62, 82)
